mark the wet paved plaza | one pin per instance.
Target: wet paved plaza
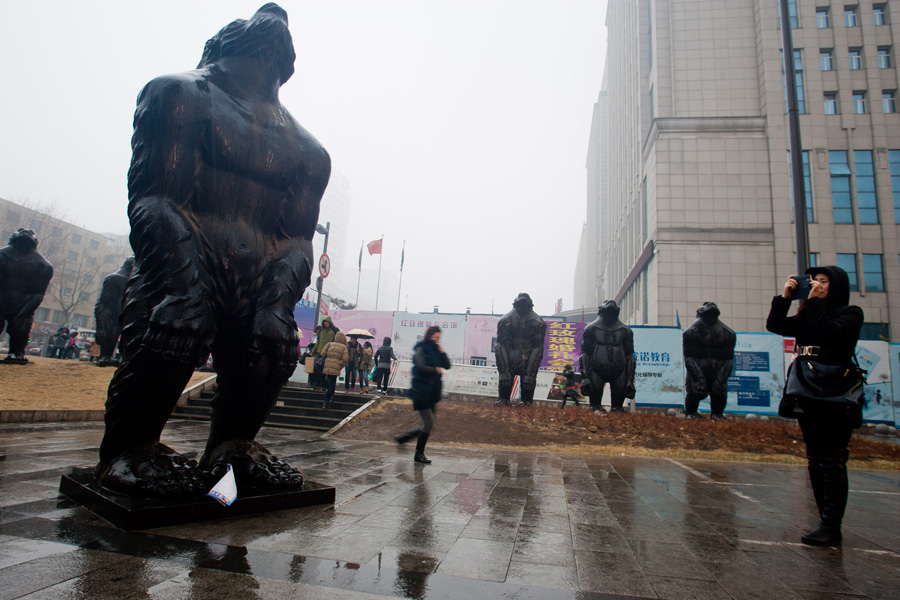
(474, 524)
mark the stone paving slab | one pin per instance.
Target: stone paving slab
(474, 524)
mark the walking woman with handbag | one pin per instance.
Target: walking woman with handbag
(429, 360)
(823, 388)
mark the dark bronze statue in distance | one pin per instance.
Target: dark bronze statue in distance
(24, 277)
(224, 191)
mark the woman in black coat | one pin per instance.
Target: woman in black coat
(429, 360)
(827, 329)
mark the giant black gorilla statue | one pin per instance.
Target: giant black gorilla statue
(519, 349)
(223, 199)
(24, 277)
(106, 312)
(607, 356)
(708, 358)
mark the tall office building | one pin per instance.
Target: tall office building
(698, 195)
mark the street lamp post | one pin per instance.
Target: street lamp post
(319, 281)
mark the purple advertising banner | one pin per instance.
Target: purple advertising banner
(562, 344)
(378, 323)
(481, 337)
(304, 316)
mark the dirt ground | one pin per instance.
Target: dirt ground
(51, 384)
(581, 431)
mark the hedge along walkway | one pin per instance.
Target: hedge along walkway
(51, 384)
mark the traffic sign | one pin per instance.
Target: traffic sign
(324, 265)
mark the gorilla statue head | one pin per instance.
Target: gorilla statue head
(23, 240)
(523, 304)
(709, 313)
(609, 311)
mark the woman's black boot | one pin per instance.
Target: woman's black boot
(420, 449)
(834, 501)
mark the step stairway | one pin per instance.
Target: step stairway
(297, 408)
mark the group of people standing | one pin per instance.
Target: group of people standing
(356, 360)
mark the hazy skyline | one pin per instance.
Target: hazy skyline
(461, 127)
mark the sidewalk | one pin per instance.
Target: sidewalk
(474, 524)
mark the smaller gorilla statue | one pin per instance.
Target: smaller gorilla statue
(520, 348)
(708, 358)
(24, 277)
(607, 356)
(107, 310)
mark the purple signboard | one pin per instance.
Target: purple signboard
(562, 344)
(304, 316)
(377, 323)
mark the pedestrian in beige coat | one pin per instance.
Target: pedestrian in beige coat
(336, 358)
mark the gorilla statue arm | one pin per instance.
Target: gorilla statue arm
(169, 124)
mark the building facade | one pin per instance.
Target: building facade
(698, 195)
(81, 259)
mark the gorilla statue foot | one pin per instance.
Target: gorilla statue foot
(152, 470)
(15, 358)
(255, 468)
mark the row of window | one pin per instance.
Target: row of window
(830, 98)
(857, 180)
(872, 268)
(854, 58)
(58, 318)
(851, 15)
(35, 225)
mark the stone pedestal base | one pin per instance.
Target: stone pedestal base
(139, 513)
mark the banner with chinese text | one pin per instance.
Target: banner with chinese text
(562, 344)
(409, 328)
(659, 366)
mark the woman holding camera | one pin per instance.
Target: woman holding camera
(826, 329)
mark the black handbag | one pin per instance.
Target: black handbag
(816, 382)
(319, 364)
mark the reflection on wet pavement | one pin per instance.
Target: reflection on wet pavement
(476, 523)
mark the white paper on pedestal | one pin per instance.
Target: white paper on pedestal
(225, 491)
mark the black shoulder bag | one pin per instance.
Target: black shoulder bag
(818, 382)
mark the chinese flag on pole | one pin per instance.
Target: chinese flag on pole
(374, 247)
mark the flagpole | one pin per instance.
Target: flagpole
(378, 285)
(400, 287)
(359, 276)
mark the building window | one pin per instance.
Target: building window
(840, 186)
(879, 14)
(850, 19)
(76, 238)
(872, 273)
(84, 297)
(823, 21)
(94, 245)
(866, 198)
(66, 292)
(42, 314)
(807, 185)
(652, 110)
(889, 101)
(57, 232)
(814, 259)
(859, 103)
(798, 79)
(826, 60)
(884, 57)
(848, 263)
(792, 14)
(894, 157)
(70, 272)
(875, 332)
(831, 103)
(35, 225)
(58, 317)
(90, 261)
(72, 255)
(13, 217)
(855, 55)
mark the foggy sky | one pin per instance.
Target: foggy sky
(461, 126)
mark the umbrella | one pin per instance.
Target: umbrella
(360, 333)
